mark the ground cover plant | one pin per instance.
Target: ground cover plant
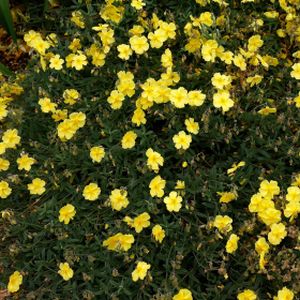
(150, 150)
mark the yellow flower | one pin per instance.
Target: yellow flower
(284, 294)
(124, 51)
(157, 38)
(78, 61)
(262, 261)
(193, 45)
(232, 243)
(277, 233)
(191, 125)
(118, 199)
(196, 98)
(40, 45)
(11, 138)
(66, 130)
(137, 30)
(254, 80)
(69, 59)
(222, 99)
(220, 21)
(98, 58)
(271, 14)
(137, 4)
(5, 190)
(166, 59)
(119, 242)
(77, 119)
(139, 44)
(296, 54)
(25, 162)
(155, 160)
(56, 62)
(293, 194)
(223, 223)
(91, 192)
(179, 97)
(209, 50)
(206, 18)
(97, 153)
(30, 36)
(128, 140)
(4, 164)
(15, 280)
(261, 246)
(267, 110)
(138, 117)
(240, 62)
(3, 111)
(77, 18)
(111, 12)
(183, 294)
(46, 105)
(70, 96)
(141, 221)
(270, 215)
(258, 203)
(126, 85)
(170, 77)
(75, 45)
(180, 185)
(182, 140)
(149, 88)
(157, 186)
(227, 197)
(67, 213)
(60, 115)
(234, 167)
(169, 29)
(269, 189)
(247, 295)
(296, 181)
(158, 233)
(297, 100)
(146, 102)
(292, 210)
(115, 99)
(65, 271)
(37, 186)
(220, 81)
(254, 43)
(140, 271)
(128, 221)
(227, 57)
(2, 148)
(106, 35)
(281, 33)
(173, 202)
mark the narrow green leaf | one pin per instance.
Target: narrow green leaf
(5, 70)
(46, 6)
(6, 19)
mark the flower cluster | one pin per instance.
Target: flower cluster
(151, 152)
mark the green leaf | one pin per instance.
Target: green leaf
(6, 19)
(5, 70)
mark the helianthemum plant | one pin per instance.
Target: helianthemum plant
(150, 150)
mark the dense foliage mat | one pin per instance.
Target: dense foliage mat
(150, 150)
